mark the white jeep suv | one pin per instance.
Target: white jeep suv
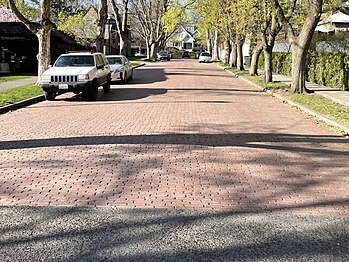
(78, 72)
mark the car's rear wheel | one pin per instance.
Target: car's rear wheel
(106, 87)
(50, 96)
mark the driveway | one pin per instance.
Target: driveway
(186, 151)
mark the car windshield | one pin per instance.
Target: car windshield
(205, 54)
(163, 53)
(114, 60)
(79, 61)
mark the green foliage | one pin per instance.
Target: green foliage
(323, 68)
(174, 16)
(13, 95)
(78, 27)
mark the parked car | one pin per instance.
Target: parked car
(77, 72)
(185, 54)
(163, 56)
(121, 69)
(205, 57)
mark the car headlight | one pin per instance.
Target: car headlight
(83, 77)
(46, 78)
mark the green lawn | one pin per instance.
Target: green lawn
(11, 77)
(13, 95)
(323, 106)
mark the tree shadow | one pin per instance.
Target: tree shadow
(101, 234)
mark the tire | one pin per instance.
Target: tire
(92, 92)
(106, 87)
(124, 78)
(131, 76)
(50, 96)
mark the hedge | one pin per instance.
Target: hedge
(323, 68)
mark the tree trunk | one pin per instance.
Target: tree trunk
(209, 43)
(215, 55)
(300, 44)
(123, 44)
(42, 32)
(227, 51)
(240, 57)
(268, 58)
(298, 69)
(233, 55)
(121, 23)
(44, 55)
(257, 50)
(153, 49)
(102, 21)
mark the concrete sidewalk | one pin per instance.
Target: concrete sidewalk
(17, 83)
(334, 94)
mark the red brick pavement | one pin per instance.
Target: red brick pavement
(180, 135)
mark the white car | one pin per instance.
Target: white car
(121, 68)
(205, 57)
(77, 72)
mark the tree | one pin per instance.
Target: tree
(149, 14)
(102, 21)
(299, 19)
(121, 15)
(42, 30)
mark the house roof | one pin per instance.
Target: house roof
(18, 28)
(337, 21)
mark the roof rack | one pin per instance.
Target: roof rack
(81, 51)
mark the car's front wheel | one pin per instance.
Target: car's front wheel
(124, 78)
(106, 87)
(50, 96)
(131, 75)
(92, 92)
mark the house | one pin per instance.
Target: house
(185, 39)
(19, 47)
(338, 21)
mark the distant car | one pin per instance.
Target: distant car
(77, 72)
(163, 56)
(205, 57)
(185, 54)
(121, 69)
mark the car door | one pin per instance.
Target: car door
(102, 70)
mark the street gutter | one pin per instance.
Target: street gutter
(32, 100)
(343, 128)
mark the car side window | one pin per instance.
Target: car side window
(99, 60)
(105, 61)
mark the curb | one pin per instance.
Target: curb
(344, 129)
(24, 103)
(138, 66)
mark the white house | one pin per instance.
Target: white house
(184, 39)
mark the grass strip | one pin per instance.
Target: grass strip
(17, 94)
(134, 64)
(11, 77)
(323, 106)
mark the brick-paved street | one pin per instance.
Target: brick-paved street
(179, 135)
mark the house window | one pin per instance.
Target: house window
(188, 45)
